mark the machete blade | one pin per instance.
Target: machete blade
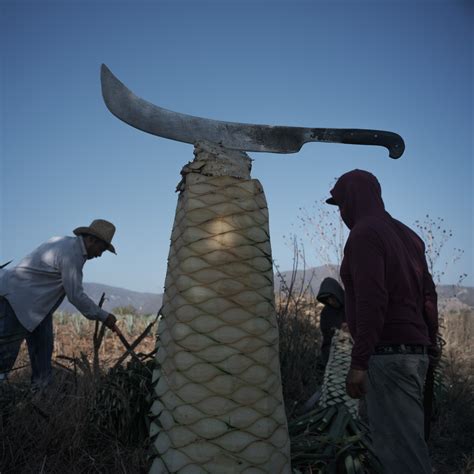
(150, 118)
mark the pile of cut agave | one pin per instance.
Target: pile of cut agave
(332, 438)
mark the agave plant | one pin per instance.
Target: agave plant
(332, 438)
(218, 399)
(122, 402)
(333, 391)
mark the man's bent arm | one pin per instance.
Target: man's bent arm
(71, 275)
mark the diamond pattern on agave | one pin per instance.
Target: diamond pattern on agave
(333, 391)
(219, 405)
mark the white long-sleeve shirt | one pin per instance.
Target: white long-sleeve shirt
(40, 281)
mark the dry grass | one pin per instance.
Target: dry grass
(300, 342)
(60, 431)
(452, 438)
(63, 429)
(53, 433)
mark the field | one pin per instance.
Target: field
(93, 419)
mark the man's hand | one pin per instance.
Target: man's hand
(356, 383)
(110, 322)
(345, 328)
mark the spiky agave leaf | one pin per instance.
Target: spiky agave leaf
(329, 439)
(332, 438)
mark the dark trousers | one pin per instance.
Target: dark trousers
(40, 344)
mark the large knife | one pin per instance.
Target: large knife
(150, 118)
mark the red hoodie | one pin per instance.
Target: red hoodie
(390, 295)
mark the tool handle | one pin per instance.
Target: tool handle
(127, 345)
(98, 336)
(392, 141)
(102, 299)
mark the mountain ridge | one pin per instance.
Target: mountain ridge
(150, 303)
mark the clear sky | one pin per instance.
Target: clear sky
(404, 66)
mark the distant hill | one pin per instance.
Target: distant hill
(465, 294)
(144, 303)
(312, 278)
(150, 303)
(309, 279)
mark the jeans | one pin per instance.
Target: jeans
(40, 344)
(395, 412)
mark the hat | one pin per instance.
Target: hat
(100, 228)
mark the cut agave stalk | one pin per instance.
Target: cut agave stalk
(333, 391)
(219, 404)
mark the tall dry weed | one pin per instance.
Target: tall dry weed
(91, 419)
(299, 342)
(51, 432)
(452, 435)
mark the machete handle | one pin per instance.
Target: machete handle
(392, 141)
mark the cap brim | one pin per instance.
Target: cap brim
(331, 201)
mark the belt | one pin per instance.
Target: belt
(401, 349)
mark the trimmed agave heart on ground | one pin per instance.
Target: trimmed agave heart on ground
(332, 438)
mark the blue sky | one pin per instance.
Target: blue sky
(66, 160)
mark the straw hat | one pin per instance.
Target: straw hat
(100, 228)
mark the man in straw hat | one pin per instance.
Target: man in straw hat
(33, 290)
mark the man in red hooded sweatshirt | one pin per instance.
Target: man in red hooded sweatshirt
(391, 310)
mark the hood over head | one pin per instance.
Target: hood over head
(357, 194)
(330, 287)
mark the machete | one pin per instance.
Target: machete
(150, 118)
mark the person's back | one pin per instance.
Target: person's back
(392, 296)
(391, 310)
(34, 286)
